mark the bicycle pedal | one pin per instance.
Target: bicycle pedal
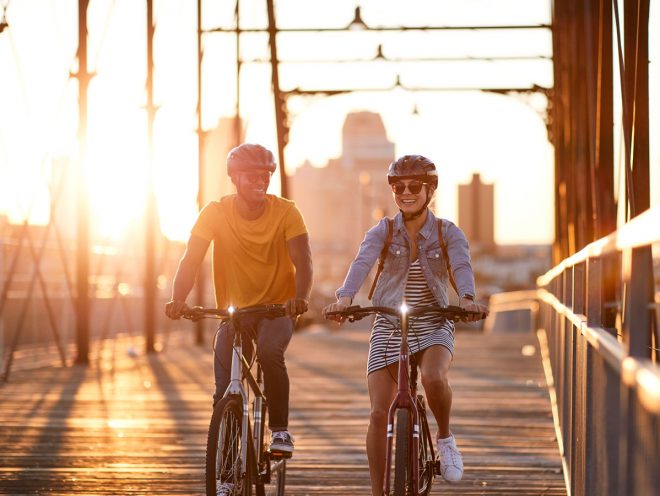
(278, 455)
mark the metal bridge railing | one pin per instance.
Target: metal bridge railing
(37, 297)
(606, 380)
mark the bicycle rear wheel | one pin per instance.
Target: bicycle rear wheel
(272, 479)
(402, 450)
(224, 448)
(277, 479)
(426, 461)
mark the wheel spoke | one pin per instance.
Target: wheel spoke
(224, 448)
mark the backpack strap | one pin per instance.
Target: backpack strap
(443, 247)
(383, 254)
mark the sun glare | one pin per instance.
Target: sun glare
(175, 174)
(116, 158)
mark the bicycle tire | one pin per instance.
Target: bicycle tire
(224, 448)
(426, 461)
(402, 451)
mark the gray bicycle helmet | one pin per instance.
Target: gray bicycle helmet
(413, 167)
(249, 156)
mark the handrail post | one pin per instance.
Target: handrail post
(579, 303)
(594, 291)
(637, 320)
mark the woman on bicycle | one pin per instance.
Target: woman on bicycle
(414, 271)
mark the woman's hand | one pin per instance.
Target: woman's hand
(341, 304)
(470, 305)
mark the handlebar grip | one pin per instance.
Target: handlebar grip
(345, 311)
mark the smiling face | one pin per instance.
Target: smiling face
(251, 186)
(410, 194)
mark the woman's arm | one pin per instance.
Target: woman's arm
(368, 253)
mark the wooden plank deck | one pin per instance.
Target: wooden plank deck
(137, 425)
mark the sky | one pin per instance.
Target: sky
(501, 137)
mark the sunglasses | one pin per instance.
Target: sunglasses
(255, 177)
(414, 187)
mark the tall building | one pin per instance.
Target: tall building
(476, 216)
(346, 197)
(217, 143)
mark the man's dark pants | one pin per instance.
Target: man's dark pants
(272, 338)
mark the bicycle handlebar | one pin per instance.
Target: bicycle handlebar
(452, 312)
(196, 313)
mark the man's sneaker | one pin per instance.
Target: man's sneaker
(281, 443)
(224, 488)
(451, 462)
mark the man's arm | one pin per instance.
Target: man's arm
(301, 256)
(184, 279)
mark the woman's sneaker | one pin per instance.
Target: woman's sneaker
(451, 461)
(281, 443)
(224, 488)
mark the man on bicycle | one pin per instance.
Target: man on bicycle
(414, 271)
(261, 255)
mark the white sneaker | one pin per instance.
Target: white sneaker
(451, 461)
(224, 488)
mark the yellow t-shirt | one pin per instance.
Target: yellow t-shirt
(251, 263)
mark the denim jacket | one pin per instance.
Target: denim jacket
(392, 282)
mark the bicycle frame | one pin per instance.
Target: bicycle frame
(406, 396)
(404, 399)
(236, 387)
(240, 370)
(257, 464)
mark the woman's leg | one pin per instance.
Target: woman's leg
(382, 388)
(434, 367)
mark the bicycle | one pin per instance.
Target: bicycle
(415, 465)
(236, 451)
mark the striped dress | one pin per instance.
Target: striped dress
(424, 331)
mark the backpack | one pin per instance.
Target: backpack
(388, 242)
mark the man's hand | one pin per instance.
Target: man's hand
(175, 309)
(471, 306)
(296, 306)
(341, 304)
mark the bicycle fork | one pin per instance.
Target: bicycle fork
(403, 401)
(235, 387)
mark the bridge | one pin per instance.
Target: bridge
(137, 424)
(102, 395)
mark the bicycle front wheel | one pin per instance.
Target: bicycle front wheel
(224, 448)
(402, 451)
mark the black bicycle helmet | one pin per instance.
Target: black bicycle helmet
(413, 166)
(249, 156)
